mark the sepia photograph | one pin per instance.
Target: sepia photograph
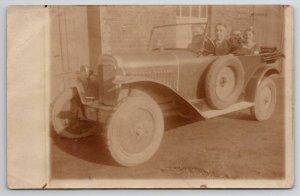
(150, 96)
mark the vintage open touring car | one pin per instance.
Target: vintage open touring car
(129, 94)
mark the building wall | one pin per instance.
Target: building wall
(127, 28)
(267, 21)
(239, 17)
(69, 46)
(79, 34)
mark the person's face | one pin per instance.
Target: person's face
(248, 35)
(235, 34)
(220, 32)
(197, 31)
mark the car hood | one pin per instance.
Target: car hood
(144, 60)
(154, 59)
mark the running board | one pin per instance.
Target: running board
(233, 108)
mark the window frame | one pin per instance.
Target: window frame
(180, 8)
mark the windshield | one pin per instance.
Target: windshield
(177, 36)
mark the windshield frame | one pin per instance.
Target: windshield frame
(149, 45)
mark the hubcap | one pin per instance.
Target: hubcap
(264, 98)
(136, 130)
(225, 83)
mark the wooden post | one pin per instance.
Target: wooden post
(94, 34)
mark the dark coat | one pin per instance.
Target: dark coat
(222, 48)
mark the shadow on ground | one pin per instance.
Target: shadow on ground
(86, 148)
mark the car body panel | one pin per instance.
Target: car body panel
(181, 70)
(191, 75)
(171, 67)
(251, 64)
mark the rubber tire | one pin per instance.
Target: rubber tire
(210, 83)
(137, 99)
(57, 106)
(256, 111)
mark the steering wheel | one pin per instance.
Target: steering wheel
(207, 49)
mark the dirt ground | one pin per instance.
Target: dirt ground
(227, 147)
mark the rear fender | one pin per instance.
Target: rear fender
(256, 79)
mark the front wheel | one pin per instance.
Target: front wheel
(65, 116)
(134, 130)
(265, 100)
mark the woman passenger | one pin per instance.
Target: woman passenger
(249, 43)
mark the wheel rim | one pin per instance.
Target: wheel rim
(136, 131)
(225, 83)
(265, 100)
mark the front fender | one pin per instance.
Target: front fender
(131, 79)
(258, 76)
(140, 80)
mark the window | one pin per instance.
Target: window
(203, 12)
(188, 14)
(193, 11)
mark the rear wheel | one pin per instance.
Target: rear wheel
(134, 130)
(65, 119)
(265, 100)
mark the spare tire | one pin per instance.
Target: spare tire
(224, 82)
